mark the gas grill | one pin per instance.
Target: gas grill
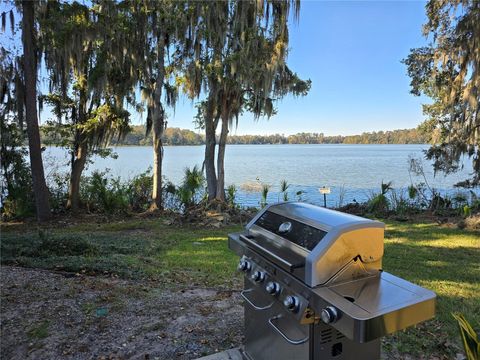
(314, 285)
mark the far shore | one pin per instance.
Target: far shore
(173, 145)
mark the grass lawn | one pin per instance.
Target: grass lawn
(443, 259)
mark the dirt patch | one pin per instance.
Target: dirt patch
(47, 315)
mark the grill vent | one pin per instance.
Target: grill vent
(325, 336)
(339, 335)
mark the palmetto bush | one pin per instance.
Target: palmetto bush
(189, 191)
(379, 204)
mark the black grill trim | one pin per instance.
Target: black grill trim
(301, 234)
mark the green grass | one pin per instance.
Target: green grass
(445, 260)
(39, 331)
(130, 249)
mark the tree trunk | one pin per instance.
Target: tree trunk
(210, 152)
(221, 161)
(158, 126)
(30, 73)
(78, 166)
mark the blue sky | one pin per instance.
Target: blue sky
(351, 51)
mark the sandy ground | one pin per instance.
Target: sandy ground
(53, 315)
(48, 315)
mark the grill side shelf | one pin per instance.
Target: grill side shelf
(376, 306)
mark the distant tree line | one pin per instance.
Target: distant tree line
(405, 136)
(176, 136)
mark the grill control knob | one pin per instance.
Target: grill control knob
(273, 288)
(329, 315)
(258, 276)
(244, 265)
(291, 303)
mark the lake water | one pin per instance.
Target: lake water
(356, 170)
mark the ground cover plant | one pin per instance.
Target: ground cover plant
(444, 259)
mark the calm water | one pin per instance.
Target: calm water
(358, 169)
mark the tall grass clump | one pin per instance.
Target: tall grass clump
(265, 190)
(284, 185)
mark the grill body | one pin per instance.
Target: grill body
(314, 288)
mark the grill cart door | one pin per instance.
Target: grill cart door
(262, 341)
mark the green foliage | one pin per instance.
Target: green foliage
(448, 72)
(104, 123)
(104, 194)
(412, 192)
(63, 246)
(175, 136)
(193, 182)
(231, 194)
(379, 204)
(265, 190)
(445, 261)
(284, 185)
(470, 340)
(58, 187)
(139, 191)
(16, 195)
(39, 331)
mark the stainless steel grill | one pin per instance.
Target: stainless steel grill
(314, 285)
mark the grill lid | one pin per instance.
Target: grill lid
(328, 244)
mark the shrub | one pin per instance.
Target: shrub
(231, 194)
(378, 204)
(188, 192)
(139, 191)
(58, 186)
(16, 196)
(103, 194)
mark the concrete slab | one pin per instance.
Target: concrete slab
(231, 354)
